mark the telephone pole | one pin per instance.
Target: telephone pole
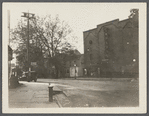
(28, 16)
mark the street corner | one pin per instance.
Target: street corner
(42, 101)
(40, 98)
(35, 104)
(62, 100)
(61, 97)
(44, 105)
(32, 99)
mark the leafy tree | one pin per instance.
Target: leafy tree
(48, 37)
(52, 34)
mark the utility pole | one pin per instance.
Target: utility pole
(8, 27)
(28, 16)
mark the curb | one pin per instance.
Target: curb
(65, 94)
(57, 101)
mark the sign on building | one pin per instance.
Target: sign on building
(34, 63)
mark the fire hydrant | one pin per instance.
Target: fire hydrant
(50, 93)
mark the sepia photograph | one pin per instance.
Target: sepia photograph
(74, 57)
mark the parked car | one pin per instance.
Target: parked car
(25, 77)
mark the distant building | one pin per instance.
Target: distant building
(75, 67)
(66, 65)
(112, 47)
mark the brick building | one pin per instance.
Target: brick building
(69, 64)
(112, 47)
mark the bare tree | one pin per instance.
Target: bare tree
(48, 34)
(52, 34)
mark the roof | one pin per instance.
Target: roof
(106, 23)
(90, 30)
(109, 22)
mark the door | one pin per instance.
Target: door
(73, 71)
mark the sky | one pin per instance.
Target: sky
(80, 16)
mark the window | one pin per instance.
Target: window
(106, 56)
(90, 56)
(67, 70)
(106, 42)
(88, 49)
(90, 42)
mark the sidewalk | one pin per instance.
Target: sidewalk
(31, 95)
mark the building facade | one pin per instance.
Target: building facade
(112, 47)
(75, 67)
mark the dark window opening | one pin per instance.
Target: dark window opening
(70, 63)
(67, 70)
(90, 56)
(90, 42)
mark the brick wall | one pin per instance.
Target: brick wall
(112, 47)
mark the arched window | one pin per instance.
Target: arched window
(90, 42)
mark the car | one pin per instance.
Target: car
(25, 76)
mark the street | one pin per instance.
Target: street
(75, 93)
(87, 93)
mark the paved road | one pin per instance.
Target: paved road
(87, 93)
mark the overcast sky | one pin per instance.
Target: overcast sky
(80, 16)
